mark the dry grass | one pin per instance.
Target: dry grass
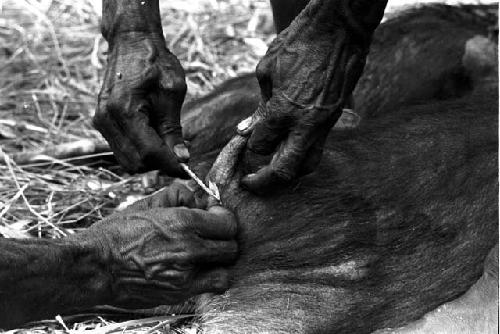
(51, 65)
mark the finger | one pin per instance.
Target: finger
(170, 130)
(264, 181)
(216, 252)
(246, 126)
(167, 111)
(284, 166)
(215, 223)
(264, 70)
(313, 156)
(166, 102)
(216, 281)
(153, 151)
(139, 292)
(141, 283)
(124, 150)
(200, 195)
(267, 134)
(200, 198)
(175, 195)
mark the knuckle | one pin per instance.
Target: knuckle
(283, 173)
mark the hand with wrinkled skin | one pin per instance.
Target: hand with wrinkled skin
(144, 87)
(160, 250)
(160, 255)
(307, 74)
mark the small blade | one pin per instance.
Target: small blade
(213, 187)
(212, 190)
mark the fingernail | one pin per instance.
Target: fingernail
(192, 185)
(181, 152)
(245, 124)
(246, 179)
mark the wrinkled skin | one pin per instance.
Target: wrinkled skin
(161, 250)
(307, 74)
(165, 248)
(143, 90)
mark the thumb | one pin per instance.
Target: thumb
(167, 111)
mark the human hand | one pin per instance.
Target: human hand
(307, 74)
(161, 255)
(139, 104)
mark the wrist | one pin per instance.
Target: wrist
(121, 17)
(132, 41)
(92, 267)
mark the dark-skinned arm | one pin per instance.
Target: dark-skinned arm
(42, 278)
(143, 90)
(160, 251)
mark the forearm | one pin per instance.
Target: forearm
(130, 16)
(42, 278)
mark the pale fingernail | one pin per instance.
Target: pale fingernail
(181, 151)
(192, 185)
(245, 124)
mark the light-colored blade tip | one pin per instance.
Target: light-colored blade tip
(215, 190)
